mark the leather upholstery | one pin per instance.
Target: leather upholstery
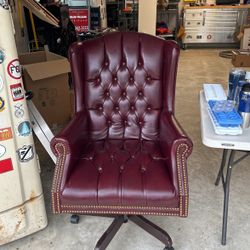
(124, 152)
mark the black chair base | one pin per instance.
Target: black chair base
(140, 221)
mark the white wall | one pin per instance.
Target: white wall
(147, 16)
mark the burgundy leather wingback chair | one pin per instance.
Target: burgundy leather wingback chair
(124, 154)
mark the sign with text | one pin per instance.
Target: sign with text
(14, 69)
(80, 18)
(5, 134)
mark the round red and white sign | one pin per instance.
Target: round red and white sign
(14, 69)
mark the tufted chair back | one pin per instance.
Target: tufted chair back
(125, 82)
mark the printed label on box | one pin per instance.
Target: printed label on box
(25, 153)
(14, 69)
(6, 166)
(17, 92)
(5, 134)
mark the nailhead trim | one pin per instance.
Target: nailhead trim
(119, 207)
(116, 212)
(182, 184)
(58, 175)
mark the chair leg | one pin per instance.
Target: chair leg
(152, 229)
(109, 233)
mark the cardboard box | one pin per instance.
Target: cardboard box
(241, 58)
(46, 75)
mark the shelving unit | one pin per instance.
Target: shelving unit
(170, 15)
(120, 17)
(128, 20)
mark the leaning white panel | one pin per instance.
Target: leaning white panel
(22, 209)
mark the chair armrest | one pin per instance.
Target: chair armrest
(68, 145)
(176, 147)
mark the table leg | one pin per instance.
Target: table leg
(223, 162)
(226, 196)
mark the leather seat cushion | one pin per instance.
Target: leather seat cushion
(121, 172)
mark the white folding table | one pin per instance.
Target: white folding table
(231, 144)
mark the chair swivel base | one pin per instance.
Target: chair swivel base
(140, 221)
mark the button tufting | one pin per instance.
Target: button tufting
(100, 170)
(107, 94)
(149, 107)
(139, 63)
(124, 93)
(133, 156)
(132, 107)
(115, 78)
(143, 169)
(106, 63)
(123, 63)
(131, 78)
(117, 107)
(121, 168)
(98, 80)
(140, 93)
(100, 108)
(112, 157)
(125, 122)
(148, 78)
(140, 123)
(109, 122)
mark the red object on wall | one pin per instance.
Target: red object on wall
(5, 166)
(80, 18)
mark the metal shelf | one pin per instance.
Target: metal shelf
(167, 15)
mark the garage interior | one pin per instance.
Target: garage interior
(207, 55)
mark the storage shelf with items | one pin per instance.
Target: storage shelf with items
(168, 21)
(123, 14)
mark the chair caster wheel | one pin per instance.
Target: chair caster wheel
(74, 219)
(125, 219)
(168, 248)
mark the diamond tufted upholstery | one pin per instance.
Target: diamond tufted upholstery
(124, 152)
(123, 75)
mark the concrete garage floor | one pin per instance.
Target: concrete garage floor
(202, 229)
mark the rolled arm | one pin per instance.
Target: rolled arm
(67, 146)
(176, 146)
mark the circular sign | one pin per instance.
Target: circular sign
(1, 83)
(2, 150)
(19, 112)
(14, 69)
(2, 103)
(24, 128)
